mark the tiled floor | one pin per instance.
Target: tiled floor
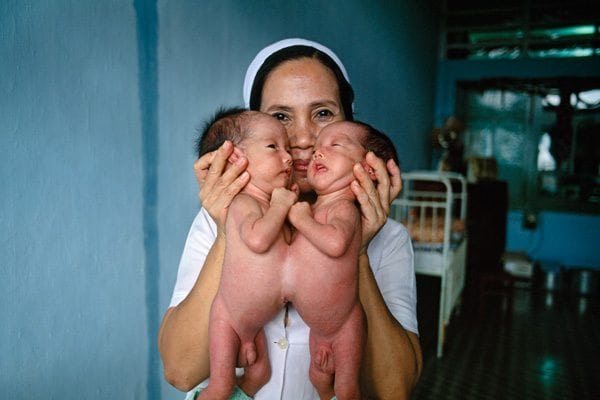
(548, 347)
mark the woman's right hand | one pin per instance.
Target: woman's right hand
(375, 196)
(219, 186)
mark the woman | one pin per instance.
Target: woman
(304, 85)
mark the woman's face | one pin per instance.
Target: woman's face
(304, 96)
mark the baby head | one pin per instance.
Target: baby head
(339, 146)
(258, 137)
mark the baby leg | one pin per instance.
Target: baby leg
(348, 347)
(223, 352)
(321, 367)
(258, 373)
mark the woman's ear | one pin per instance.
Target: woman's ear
(237, 153)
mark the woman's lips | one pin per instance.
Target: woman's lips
(301, 166)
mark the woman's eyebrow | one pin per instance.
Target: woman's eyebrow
(329, 103)
(278, 107)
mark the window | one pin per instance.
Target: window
(544, 136)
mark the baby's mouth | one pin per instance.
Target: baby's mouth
(319, 167)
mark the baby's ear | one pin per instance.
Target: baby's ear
(369, 170)
(237, 153)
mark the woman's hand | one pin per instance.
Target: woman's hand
(219, 186)
(375, 197)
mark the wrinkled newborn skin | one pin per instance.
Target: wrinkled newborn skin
(315, 268)
(256, 250)
(324, 290)
(249, 296)
(323, 273)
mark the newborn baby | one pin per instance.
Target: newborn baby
(324, 256)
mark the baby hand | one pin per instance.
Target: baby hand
(284, 197)
(299, 211)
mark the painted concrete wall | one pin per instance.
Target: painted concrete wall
(569, 240)
(99, 103)
(565, 238)
(71, 254)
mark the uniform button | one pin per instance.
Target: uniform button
(283, 343)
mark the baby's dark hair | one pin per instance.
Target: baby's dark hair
(379, 143)
(225, 124)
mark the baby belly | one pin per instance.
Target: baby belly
(324, 293)
(253, 296)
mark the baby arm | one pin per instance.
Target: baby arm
(339, 228)
(259, 231)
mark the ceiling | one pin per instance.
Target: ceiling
(511, 29)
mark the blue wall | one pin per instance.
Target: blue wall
(71, 236)
(99, 103)
(569, 239)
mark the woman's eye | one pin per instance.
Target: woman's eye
(280, 116)
(324, 113)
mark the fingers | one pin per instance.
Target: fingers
(218, 162)
(373, 208)
(363, 189)
(221, 193)
(219, 183)
(395, 179)
(201, 167)
(383, 179)
(366, 192)
(373, 216)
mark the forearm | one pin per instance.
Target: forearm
(339, 229)
(183, 335)
(393, 360)
(336, 243)
(263, 232)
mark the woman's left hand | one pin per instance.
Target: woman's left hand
(375, 197)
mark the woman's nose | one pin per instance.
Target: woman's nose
(303, 135)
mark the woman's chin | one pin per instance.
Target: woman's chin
(303, 185)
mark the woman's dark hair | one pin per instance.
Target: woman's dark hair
(294, 53)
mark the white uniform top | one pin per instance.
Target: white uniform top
(391, 259)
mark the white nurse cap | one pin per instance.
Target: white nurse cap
(272, 48)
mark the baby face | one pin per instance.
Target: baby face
(267, 151)
(337, 149)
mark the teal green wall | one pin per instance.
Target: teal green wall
(99, 103)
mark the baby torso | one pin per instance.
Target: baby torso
(323, 289)
(251, 283)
